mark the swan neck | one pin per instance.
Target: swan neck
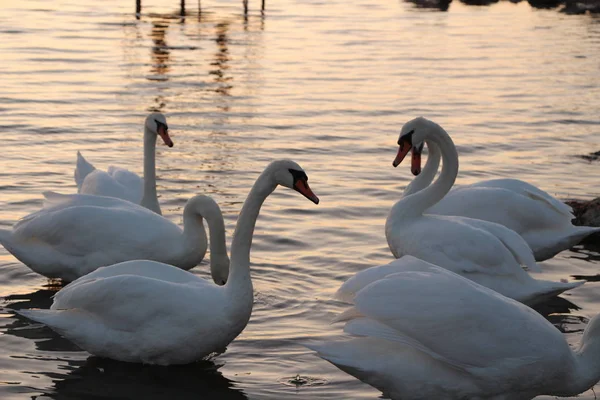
(193, 228)
(418, 202)
(150, 198)
(239, 271)
(218, 246)
(428, 174)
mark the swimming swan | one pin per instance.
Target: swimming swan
(542, 220)
(122, 183)
(488, 253)
(154, 313)
(424, 332)
(74, 234)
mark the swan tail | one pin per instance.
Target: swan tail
(42, 316)
(347, 315)
(343, 295)
(60, 321)
(549, 289)
(549, 244)
(52, 198)
(343, 354)
(82, 169)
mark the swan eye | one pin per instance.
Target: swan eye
(298, 175)
(159, 124)
(407, 137)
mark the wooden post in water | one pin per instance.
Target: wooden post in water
(262, 8)
(138, 7)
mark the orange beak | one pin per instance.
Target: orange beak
(164, 134)
(302, 187)
(402, 152)
(415, 164)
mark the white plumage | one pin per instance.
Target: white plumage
(121, 183)
(424, 332)
(73, 235)
(542, 220)
(483, 251)
(150, 312)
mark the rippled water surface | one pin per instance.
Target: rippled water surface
(328, 84)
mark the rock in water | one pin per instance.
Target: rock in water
(587, 213)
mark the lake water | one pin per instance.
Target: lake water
(326, 83)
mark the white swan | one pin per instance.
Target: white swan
(121, 183)
(72, 235)
(149, 312)
(427, 333)
(542, 220)
(488, 253)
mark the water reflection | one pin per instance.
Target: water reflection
(160, 52)
(478, 2)
(556, 305)
(100, 378)
(545, 4)
(45, 338)
(441, 5)
(103, 378)
(221, 59)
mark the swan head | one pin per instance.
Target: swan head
(415, 162)
(156, 123)
(412, 136)
(291, 175)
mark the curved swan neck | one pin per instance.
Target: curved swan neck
(218, 247)
(428, 174)
(239, 270)
(417, 203)
(150, 199)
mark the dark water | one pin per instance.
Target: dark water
(327, 84)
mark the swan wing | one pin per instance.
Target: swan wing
(132, 302)
(82, 169)
(83, 229)
(455, 318)
(101, 183)
(348, 289)
(144, 268)
(518, 211)
(527, 189)
(453, 243)
(518, 247)
(54, 201)
(129, 180)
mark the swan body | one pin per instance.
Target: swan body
(520, 287)
(72, 235)
(542, 220)
(424, 332)
(122, 183)
(486, 252)
(151, 312)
